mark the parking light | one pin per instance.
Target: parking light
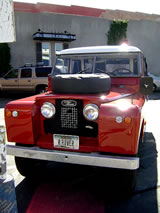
(119, 119)
(14, 114)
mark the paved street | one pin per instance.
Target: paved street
(85, 185)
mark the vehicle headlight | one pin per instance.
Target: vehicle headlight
(91, 112)
(48, 110)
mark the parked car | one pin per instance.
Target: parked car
(156, 81)
(91, 114)
(26, 79)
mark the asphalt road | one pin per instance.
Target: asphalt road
(96, 187)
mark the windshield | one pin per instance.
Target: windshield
(124, 64)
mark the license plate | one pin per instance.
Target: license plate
(66, 141)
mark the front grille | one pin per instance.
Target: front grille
(69, 117)
(69, 120)
(68, 113)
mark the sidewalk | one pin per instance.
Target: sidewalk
(2, 123)
(11, 168)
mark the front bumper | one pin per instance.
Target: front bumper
(91, 159)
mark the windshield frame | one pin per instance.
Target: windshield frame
(110, 55)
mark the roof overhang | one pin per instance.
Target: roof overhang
(54, 36)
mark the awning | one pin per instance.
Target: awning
(54, 36)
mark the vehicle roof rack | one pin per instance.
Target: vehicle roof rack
(28, 65)
(40, 64)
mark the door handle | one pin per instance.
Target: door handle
(16, 80)
(29, 80)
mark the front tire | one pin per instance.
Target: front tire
(123, 180)
(129, 178)
(29, 167)
(41, 89)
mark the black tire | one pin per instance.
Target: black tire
(123, 180)
(81, 83)
(41, 89)
(29, 167)
(129, 178)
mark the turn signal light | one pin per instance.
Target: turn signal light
(8, 113)
(127, 120)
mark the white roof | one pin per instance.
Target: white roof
(99, 49)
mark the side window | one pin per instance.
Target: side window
(26, 73)
(12, 74)
(43, 72)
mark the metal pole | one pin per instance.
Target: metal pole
(3, 161)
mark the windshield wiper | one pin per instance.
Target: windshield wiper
(83, 71)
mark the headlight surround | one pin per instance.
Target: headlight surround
(48, 110)
(91, 112)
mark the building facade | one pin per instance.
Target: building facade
(44, 29)
(40, 33)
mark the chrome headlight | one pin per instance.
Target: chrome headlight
(91, 112)
(48, 110)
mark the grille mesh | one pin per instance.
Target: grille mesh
(69, 117)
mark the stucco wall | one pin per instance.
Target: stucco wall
(146, 36)
(89, 31)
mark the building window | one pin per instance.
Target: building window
(60, 46)
(43, 53)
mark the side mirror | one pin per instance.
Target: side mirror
(146, 85)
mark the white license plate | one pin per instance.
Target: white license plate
(66, 141)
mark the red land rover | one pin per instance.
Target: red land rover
(92, 113)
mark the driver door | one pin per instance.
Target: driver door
(10, 81)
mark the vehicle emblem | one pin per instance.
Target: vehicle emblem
(146, 86)
(69, 103)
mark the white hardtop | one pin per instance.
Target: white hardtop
(99, 49)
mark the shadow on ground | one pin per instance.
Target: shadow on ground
(100, 187)
(154, 96)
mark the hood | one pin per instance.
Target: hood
(97, 98)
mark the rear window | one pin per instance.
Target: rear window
(43, 71)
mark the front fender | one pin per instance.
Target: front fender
(25, 128)
(116, 137)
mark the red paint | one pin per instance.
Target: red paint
(59, 9)
(122, 138)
